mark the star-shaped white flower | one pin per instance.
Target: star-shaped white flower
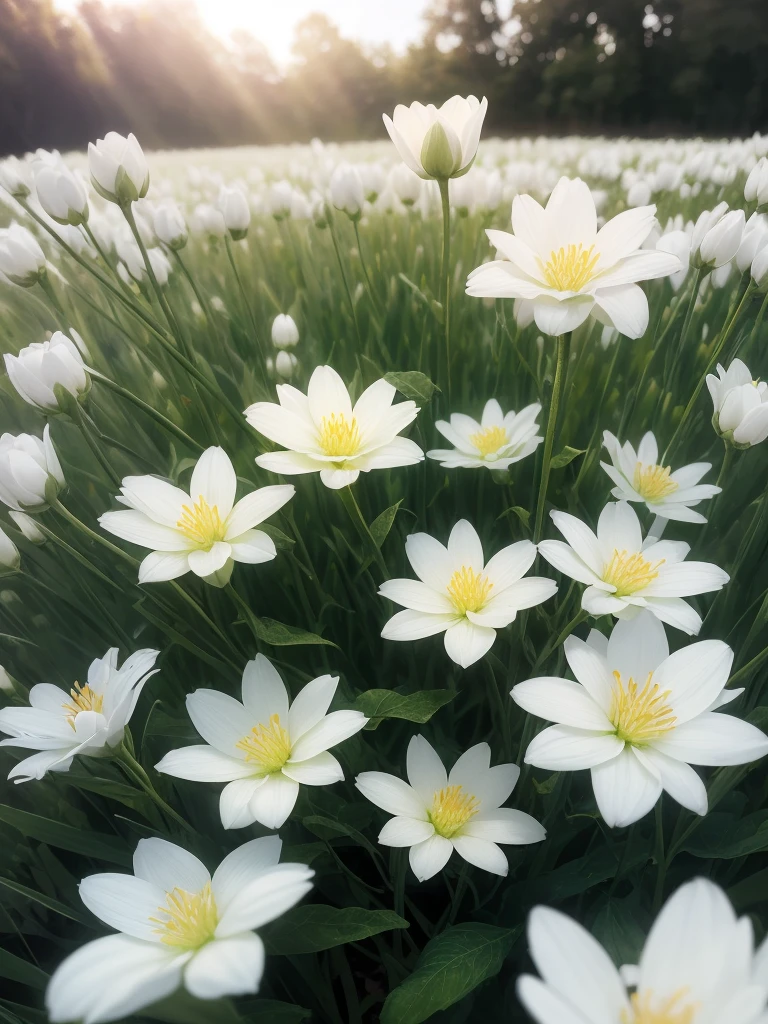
(495, 442)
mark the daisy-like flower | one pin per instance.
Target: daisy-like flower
(639, 476)
(325, 434)
(638, 718)
(438, 812)
(624, 575)
(567, 269)
(460, 595)
(205, 530)
(698, 966)
(740, 405)
(90, 719)
(176, 926)
(495, 442)
(266, 746)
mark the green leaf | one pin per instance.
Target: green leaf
(413, 707)
(14, 968)
(280, 635)
(522, 514)
(182, 1008)
(312, 928)
(382, 524)
(413, 384)
(66, 837)
(567, 455)
(282, 541)
(327, 828)
(273, 1011)
(45, 901)
(449, 968)
(724, 837)
(617, 929)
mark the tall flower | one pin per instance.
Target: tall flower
(461, 595)
(21, 258)
(39, 367)
(638, 718)
(438, 142)
(176, 926)
(624, 573)
(204, 531)
(90, 719)
(640, 477)
(266, 746)
(325, 433)
(496, 442)
(61, 193)
(740, 405)
(437, 813)
(118, 167)
(558, 260)
(698, 966)
(30, 471)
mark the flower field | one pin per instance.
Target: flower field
(384, 605)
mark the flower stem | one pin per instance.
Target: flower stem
(578, 618)
(345, 279)
(369, 286)
(358, 520)
(445, 277)
(244, 297)
(661, 861)
(158, 417)
(563, 346)
(135, 771)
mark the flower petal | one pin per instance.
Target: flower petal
(625, 790)
(429, 857)
(391, 794)
(168, 866)
(201, 763)
(561, 748)
(226, 967)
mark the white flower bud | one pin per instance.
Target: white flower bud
(438, 143)
(61, 193)
(209, 221)
(28, 527)
(39, 367)
(235, 211)
(639, 194)
(706, 220)
(170, 226)
(740, 405)
(13, 177)
(280, 200)
(759, 269)
(405, 184)
(285, 364)
(756, 188)
(6, 683)
(373, 178)
(21, 258)
(118, 167)
(285, 333)
(721, 243)
(30, 472)
(754, 239)
(346, 189)
(10, 559)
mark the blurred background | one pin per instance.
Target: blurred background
(224, 72)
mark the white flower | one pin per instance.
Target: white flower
(176, 926)
(374, 179)
(118, 167)
(346, 188)
(10, 559)
(698, 966)
(203, 531)
(754, 239)
(559, 261)
(135, 268)
(39, 367)
(266, 746)
(235, 211)
(285, 333)
(14, 177)
(28, 527)
(438, 142)
(30, 472)
(639, 477)
(756, 187)
(169, 225)
(61, 193)
(460, 595)
(721, 242)
(88, 720)
(624, 575)
(285, 364)
(740, 404)
(21, 258)
(639, 717)
(437, 813)
(325, 434)
(495, 442)
(209, 220)
(759, 268)
(405, 184)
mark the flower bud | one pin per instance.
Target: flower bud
(285, 364)
(740, 405)
(170, 226)
(285, 333)
(118, 167)
(756, 188)
(10, 559)
(438, 143)
(61, 193)
(721, 243)
(21, 258)
(209, 221)
(13, 177)
(405, 184)
(39, 367)
(235, 211)
(28, 527)
(346, 189)
(6, 683)
(759, 268)
(30, 472)
(280, 200)
(373, 178)
(754, 239)
(440, 152)
(639, 194)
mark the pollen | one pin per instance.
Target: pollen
(630, 573)
(83, 699)
(653, 482)
(569, 268)
(339, 437)
(489, 440)
(201, 523)
(187, 920)
(469, 590)
(640, 714)
(268, 746)
(452, 808)
(646, 1010)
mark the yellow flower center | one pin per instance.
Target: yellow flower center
(201, 523)
(489, 440)
(646, 1011)
(451, 809)
(338, 437)
(653, 482)
(630, 573)
(83, 699)
(469, 590)
(640, 715)
(569, 268)
(187, 920)
(269, 746)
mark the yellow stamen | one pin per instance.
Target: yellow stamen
(83, 699)
(653, 482)
(568, 269)
(451, 809)
(469, 590)
(640, 715)
(630, 573)
(269, 746)
(188, 919)
(489, 440)
(201, 523)
(645, 1010)
(339, 437)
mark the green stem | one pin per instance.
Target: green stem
(114, 477)
(135, 771)
(661, 861)
(578, 618)
(369, 286)
(158, 417)
(358, 520)
(458, 895)
(563, 346)
(502, 712)
(679, 346)
(45, 284)
(337, 250)
(91, 534)
(445, 277)
(244, 297)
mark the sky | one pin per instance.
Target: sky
(398, 22)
